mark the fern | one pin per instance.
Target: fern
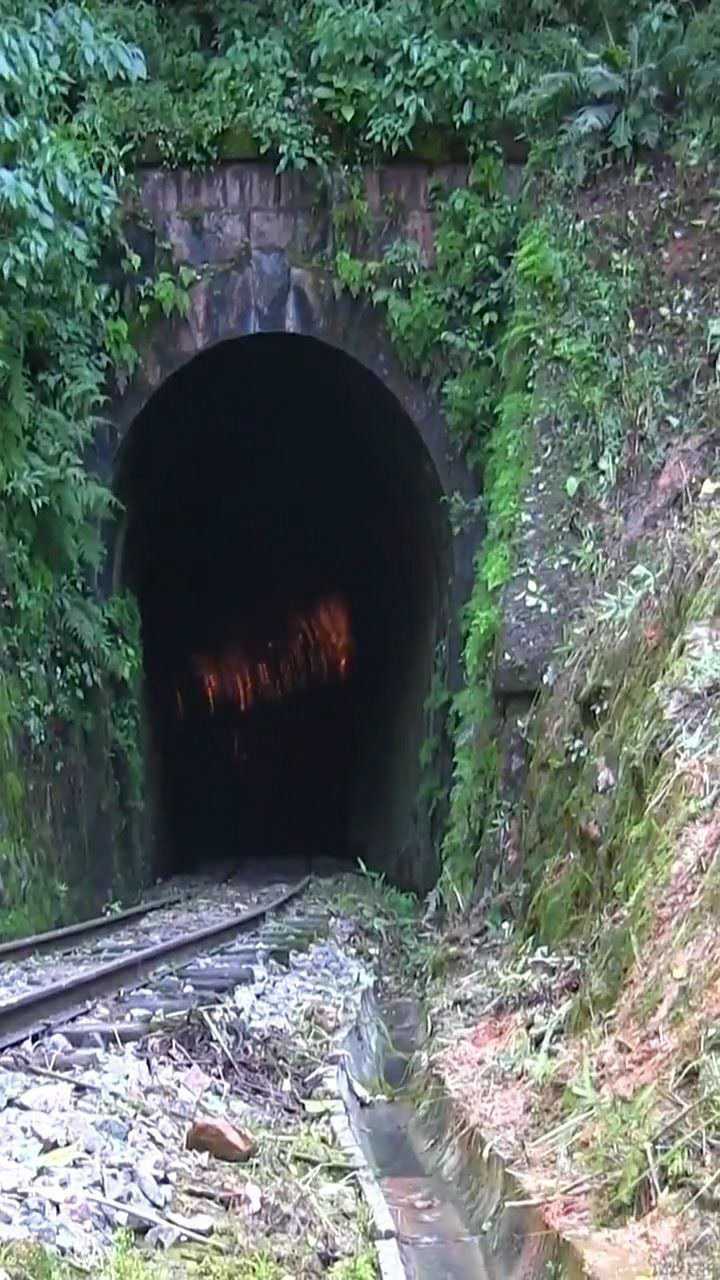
(619, 96)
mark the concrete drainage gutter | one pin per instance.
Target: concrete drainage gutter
(358, 1066)
(384, 1230)
(440, 1203)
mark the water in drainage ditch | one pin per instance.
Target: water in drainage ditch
(448, 1212)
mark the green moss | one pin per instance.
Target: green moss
(610, 793)
(237, 143)
(71, 801)
(474, 792)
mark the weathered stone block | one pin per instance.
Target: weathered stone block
(372, 190)
(407, 184)
(271, 229)
(451, 176)
(419, 227)
(251, 186)
(201, 190)
(304, 190)
(233, 304)
(271, 281)
(526, 643)
(208, 238)
(312, 234)
(159, 191)
(184, 239)
(304, 307)
(512, 743)
(199, 317)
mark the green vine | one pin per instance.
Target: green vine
(69, 661)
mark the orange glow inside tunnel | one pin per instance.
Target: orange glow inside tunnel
(287, 543)
(316, 648)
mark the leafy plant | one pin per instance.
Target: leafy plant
(63, 650)
(620, 96)
(401, 904)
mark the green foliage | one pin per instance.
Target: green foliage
(474, 790)
(396, 902)
(62, 650)
(611, 780)
(700, 126)
(445, 320)
(296, 77)
(319, 81)
(634, 1151)
(575, 323)
(363, 1267)
(619, 96)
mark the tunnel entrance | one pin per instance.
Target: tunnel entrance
(286, 539)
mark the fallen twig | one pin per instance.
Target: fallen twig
(60, 1076)
(147, 1215)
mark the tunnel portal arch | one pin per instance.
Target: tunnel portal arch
(270, 466)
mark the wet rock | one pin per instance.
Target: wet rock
(11, 1232)
(14, 1176)
(116, 1184)
(24, 1150)
(682, 470)
(37, 1226)
(196, 1081)
(68, 1242)
(327, 1018)
(56, 1043)
(221, 1139)
(151, 1189)
(38, 1205)
(74, 1058)
(49, 1131)
(114, 1128)
(50, 1098)
(163, 1237)
(53, 1190)
(12, 1084)
(84, 1133)
(202, 1223)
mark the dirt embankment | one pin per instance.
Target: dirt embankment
(581, 1039)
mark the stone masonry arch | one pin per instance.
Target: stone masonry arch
(255, 240)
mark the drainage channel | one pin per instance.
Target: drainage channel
(433, 1238)
(449, 1218)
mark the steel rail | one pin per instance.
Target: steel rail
(20, 948)
(30, 1014)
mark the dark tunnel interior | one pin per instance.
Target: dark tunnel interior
(287, 543)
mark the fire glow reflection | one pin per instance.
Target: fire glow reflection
(317, 648)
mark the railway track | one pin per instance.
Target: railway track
(124, 1049)
(158, 962)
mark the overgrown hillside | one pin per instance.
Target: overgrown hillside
(88, 90)
(590, 1054)
(572, 333)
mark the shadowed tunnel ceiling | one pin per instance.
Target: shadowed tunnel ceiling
(288, 545)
